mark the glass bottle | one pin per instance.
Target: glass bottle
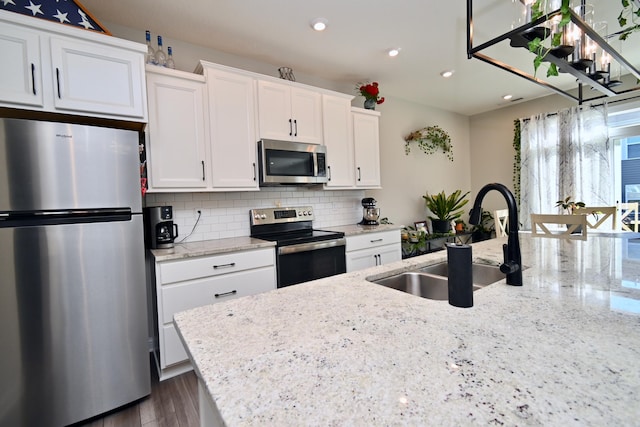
(161, 58)
(150, 57)
(170, 63)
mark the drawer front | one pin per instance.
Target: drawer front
(194, 268)
(371, 240)
(196, 293)
(174, 351)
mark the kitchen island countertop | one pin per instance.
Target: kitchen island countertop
(562, 349)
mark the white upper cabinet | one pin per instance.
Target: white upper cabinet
(366, 141)
(336, 115)
(56, 68)
(94, 78)
(232, 124)
(177, 137)
(289, 113)
(21, 71)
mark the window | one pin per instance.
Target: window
(624, 130)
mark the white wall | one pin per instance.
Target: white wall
(405, 179)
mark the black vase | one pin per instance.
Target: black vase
(440, 225)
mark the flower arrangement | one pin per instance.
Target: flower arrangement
(430, 139)
(370, 91)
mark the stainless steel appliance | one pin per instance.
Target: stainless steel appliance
(73, 305)
(303, 253)
(370, 213)
(160, 231)
(289, 163)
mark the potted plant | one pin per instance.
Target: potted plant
(445, 209)
(484, 230)
(572, 207)
(569, 205)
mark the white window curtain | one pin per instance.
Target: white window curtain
(565, 154)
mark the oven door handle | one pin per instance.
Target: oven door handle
(312, 246)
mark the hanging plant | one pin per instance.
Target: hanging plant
(430, 140)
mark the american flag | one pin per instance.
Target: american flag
(67, 12)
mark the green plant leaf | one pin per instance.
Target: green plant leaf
(625, 3)
(552, 71)
(557, 39)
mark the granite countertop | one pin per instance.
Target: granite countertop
(355, 229)
(209, 247)
(561, 350)
(213, 247)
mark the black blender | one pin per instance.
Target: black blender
(370, 213)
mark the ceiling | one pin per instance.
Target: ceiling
(430, 34)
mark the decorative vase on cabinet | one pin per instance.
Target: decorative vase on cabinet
(370, 104)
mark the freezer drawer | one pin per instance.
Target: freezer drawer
(73, 312)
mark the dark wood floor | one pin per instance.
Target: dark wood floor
(172, 403)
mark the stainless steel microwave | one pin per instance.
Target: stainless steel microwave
(291, 163)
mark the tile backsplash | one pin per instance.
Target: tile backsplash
(227, 214)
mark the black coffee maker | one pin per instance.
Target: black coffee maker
(160, 230)
(370, 213)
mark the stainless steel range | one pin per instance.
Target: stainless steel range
(303, 253)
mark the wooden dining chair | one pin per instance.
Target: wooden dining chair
(630, 211)
(501, 219)
(598, 215)
(572, 227)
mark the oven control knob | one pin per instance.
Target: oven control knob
(263, 216)
(256, 216)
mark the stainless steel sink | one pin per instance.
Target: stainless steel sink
(483, 274)
(420, 284)
(432, 282)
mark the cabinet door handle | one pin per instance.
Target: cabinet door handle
(58, 82)
(33, 77)
(254, 172)
(295, 122)
(376, 240)
(329, 173)
(359, 174)
(202, 161)
(231, 264)
(224, 294)
(290, 128)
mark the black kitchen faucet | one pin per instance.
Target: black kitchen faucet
(512, 265)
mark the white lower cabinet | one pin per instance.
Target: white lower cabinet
(188, 283)
(373, 249)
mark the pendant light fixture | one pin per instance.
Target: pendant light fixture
(579, 46)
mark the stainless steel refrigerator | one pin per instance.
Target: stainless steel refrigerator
(73, 307)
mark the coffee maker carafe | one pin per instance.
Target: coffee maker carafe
(160, 230)
(370, 213)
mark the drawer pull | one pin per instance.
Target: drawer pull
(224, 294)
(231, 264)
(376, 240)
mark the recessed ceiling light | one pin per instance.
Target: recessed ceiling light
(507, 97)
(393, 52)
(319, 24)
(447, 73)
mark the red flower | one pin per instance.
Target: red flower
(370, 91)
